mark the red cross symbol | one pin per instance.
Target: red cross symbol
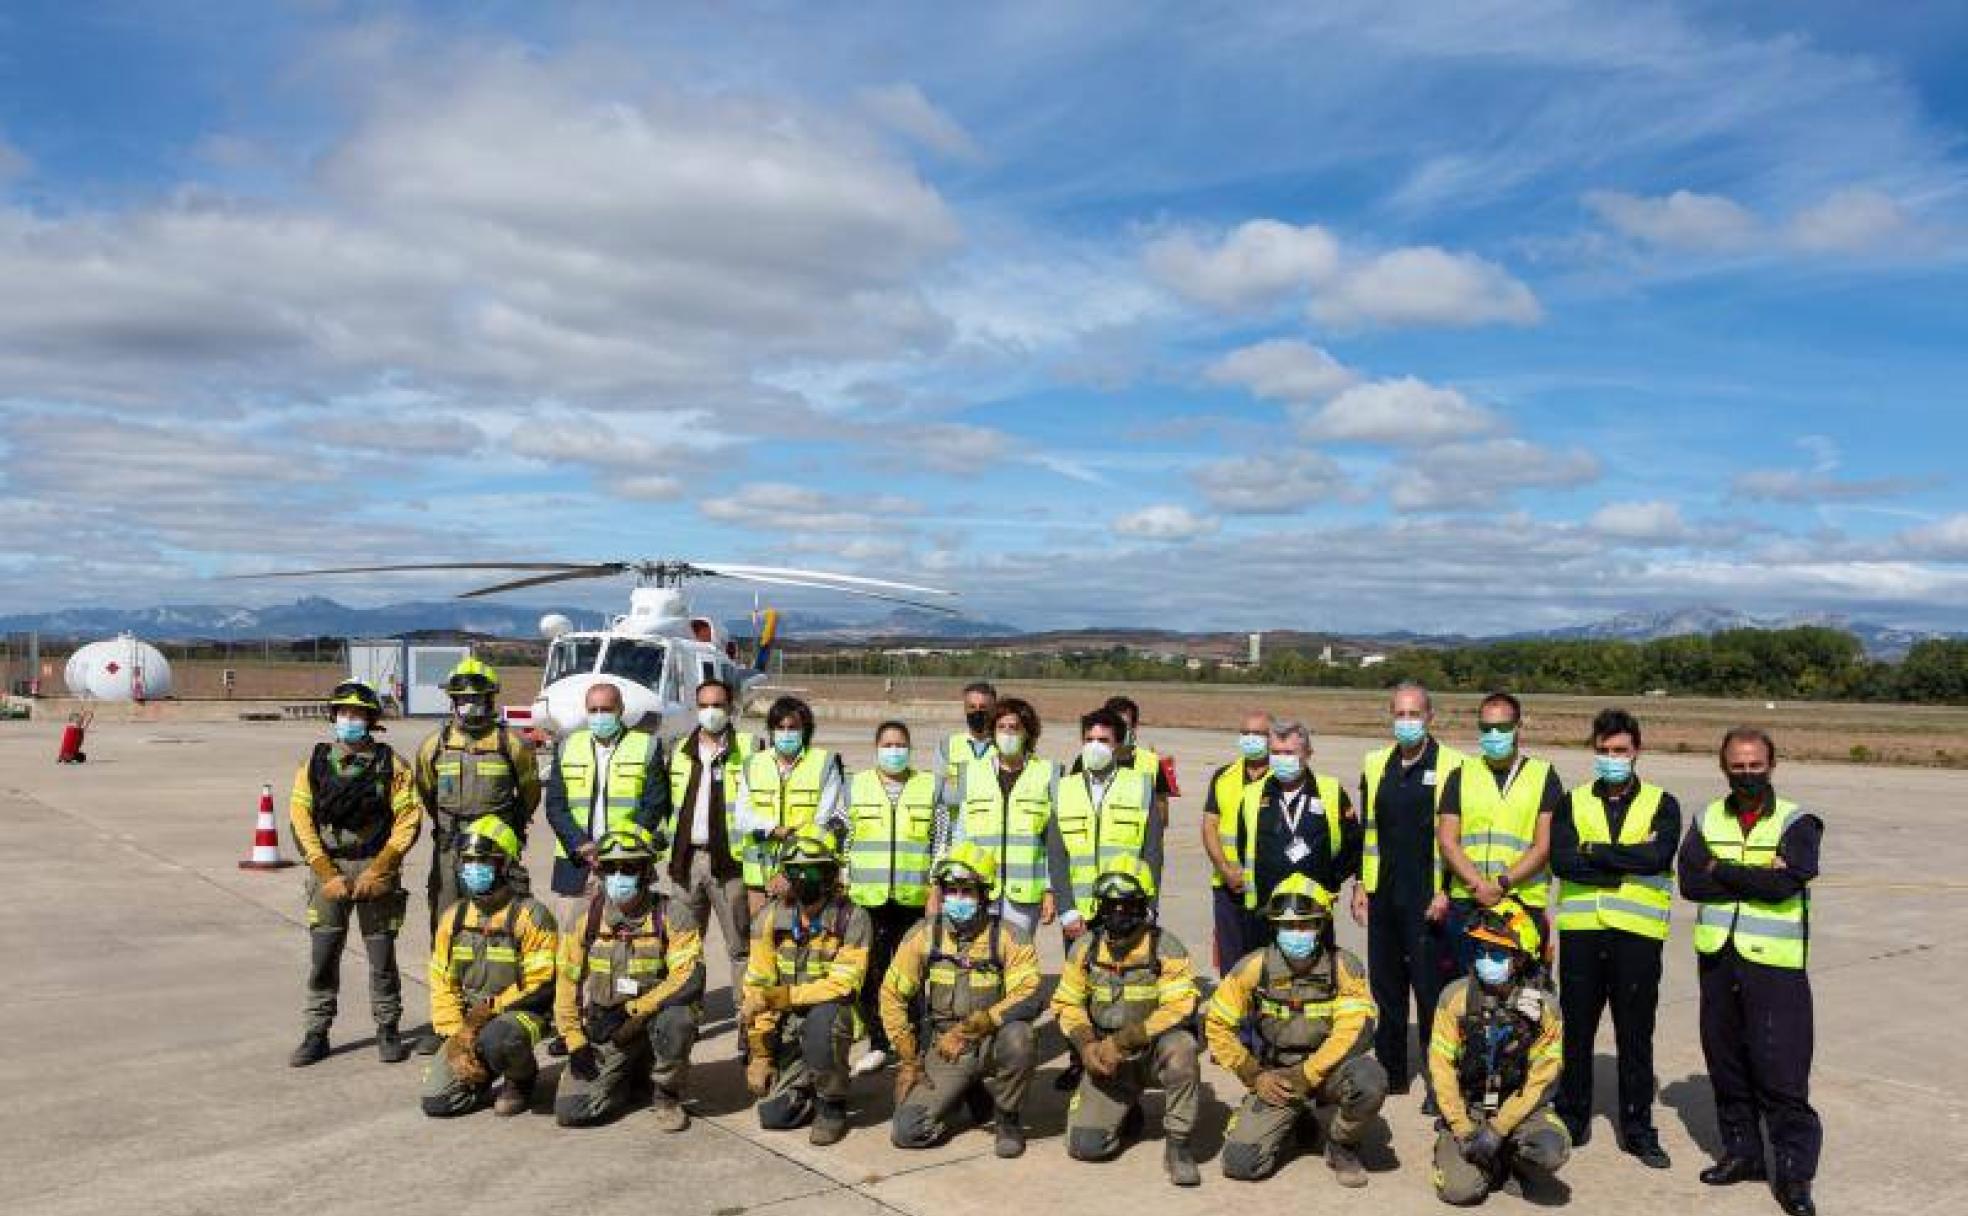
(112, 669)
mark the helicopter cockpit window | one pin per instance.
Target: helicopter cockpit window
(635, 661)
(572, 657)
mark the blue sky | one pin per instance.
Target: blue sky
(1336, 316)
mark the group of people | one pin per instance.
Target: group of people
(901, 904)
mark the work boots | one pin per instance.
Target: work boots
(667, 1113)
(1795, 1199)
(1731, 1170)
(1345, 1163)
(390, 1047)
(514, 1098)
(830, 1123)
(429, 1041)
(1011, 1137)
(1180, 1165)
(313, 1050)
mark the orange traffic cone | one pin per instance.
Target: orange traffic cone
(266, 838)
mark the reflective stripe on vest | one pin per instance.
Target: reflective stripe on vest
(1097, 836)
(1498, 828)
(1641, 903)
(472, 782)
(1774, 934)
(1447, 760)
(1014, 833)
(1324, 788)
(683, 763)
(628, 770)
(791, 803)
(888, 853)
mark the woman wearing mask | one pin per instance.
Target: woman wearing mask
(1005, 806)
(787, 785)
(891, 820)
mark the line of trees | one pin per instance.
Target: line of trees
(1806, 663)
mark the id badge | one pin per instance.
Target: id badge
(1428, 777)
(1297, 851)
(1492, 1100)
(627, 986)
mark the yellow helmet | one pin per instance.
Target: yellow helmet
(967, 861)
(1507, 925)
(354, 694)
(490, 836)
(809, 845)
(630, 843)
(1299, 898)
(1126, 878)
(471, 677)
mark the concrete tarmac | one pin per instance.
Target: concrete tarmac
(158, 989)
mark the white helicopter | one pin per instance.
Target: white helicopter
(657, 652)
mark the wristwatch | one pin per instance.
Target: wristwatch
(1503, 883)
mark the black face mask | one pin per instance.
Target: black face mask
(1750, 787)
(811, 888)
(474, 715)
(978, 720)
(1122, 923)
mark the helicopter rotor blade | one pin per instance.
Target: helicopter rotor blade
(797, 582)
(418, 566)
(816, 576)
(539, 580)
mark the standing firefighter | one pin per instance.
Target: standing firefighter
(628, 997)
(1493, 1061)
(1306, 1006)
(472, 766)
(809, 953)
(1124, 1001)
(891, 831)
(354, 816)
(491, 981)
(958, 1003)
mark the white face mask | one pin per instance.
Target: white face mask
(1011, 743)
(713, 719)
(1096, 756)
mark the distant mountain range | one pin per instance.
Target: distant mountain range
(317, 616)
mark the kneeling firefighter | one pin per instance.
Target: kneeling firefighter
(1494, 1059)
(1125, 1000)
(630, 992)
(491, 981)
(958, 1003)
(1306, 1005)
(802, 984)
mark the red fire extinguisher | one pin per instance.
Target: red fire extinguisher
(71, 738)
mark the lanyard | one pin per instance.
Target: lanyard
(1292, 808)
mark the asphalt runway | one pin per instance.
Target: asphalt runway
(143, 1048)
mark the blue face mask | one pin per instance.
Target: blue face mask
(892, 760)
(1613, 770)
(605, 725)
(1298, 944)
(1498, 744)
(1493, 970)
(788, 743)
(621, 888)
(1286, 767)
(476, 877)
(351, 730)
(960, 909)
(1252, 747)
(1409, 731)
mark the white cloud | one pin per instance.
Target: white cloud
(645, 487)
(1165, 522)
(902, 108)
(1426, 286)
(1257, 264)
(1484, 473)
(1856, 220)
(1681, 220)
(781, 507)
(627, 444)
(505, 229)
(1271, 485)
(1403, 412)
(1654, 522)
(1943, 540)
(1282, 369)
(1813, 486)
